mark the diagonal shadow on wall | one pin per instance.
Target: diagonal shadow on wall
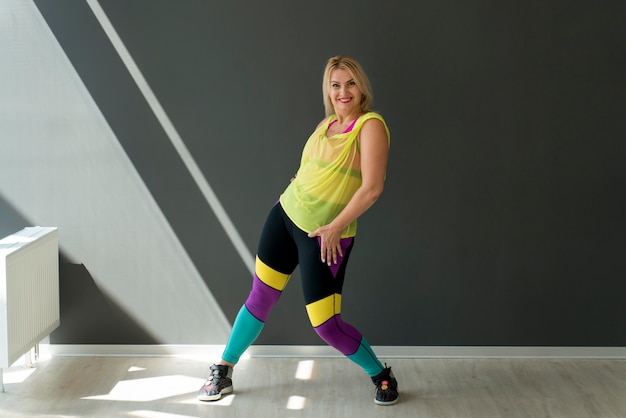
(88, 315)
(149, 149)
(11, 219)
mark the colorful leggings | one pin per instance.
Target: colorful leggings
(282, 247)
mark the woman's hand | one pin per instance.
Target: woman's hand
(330, 246)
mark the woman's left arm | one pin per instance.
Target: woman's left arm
(374, 145)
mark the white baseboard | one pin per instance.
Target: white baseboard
(320, 351)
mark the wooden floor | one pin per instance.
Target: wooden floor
(165, 387)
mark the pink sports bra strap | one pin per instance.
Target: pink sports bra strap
(348, 129)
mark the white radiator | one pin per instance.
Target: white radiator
(29, 291)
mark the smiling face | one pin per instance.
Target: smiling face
(339, 70)
(343, 92)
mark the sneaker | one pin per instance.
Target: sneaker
(386, 388)
(219, 383)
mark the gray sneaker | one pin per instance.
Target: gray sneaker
(218, 383)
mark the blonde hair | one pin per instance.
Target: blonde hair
(351, 65)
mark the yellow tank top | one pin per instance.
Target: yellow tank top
(328, 177)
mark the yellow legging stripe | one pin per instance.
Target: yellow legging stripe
(324, 309)
(269, 276)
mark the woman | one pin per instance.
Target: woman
(341, 175)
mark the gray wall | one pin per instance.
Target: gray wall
(502, 219)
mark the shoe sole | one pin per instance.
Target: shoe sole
(377, 402)
(216, 397)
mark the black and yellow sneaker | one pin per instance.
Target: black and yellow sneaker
(218, 383)
(386, 388)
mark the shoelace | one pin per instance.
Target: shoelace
(216, 375)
